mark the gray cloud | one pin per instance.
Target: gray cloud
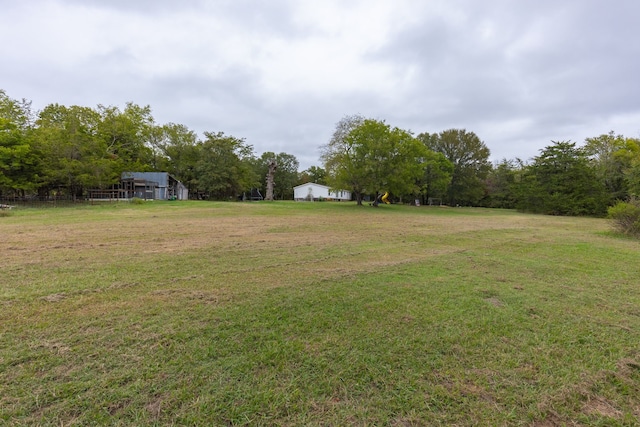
(281, 74)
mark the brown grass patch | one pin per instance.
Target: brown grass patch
(54, 297)
(494, 302)
(236, 247)
(601, 407)
(206, 297)
(29, 244)
(589, 391)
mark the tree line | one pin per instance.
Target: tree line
(368, 156)
(67, 150)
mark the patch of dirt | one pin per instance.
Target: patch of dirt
(533, 312)
(552, 420)
(601, 407)
(53, 346)
(204, 296)
(154, 408)
(589, 391)
(54, 297)
(467, 388)
(471, 389)
(494, 302)
(116, 407)
(628, 366)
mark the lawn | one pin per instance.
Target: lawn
(316, 314)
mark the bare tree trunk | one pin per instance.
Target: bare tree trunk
(270, 177)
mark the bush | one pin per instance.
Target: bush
(626, 217)
(137, 201)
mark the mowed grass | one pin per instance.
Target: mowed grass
(326, 314)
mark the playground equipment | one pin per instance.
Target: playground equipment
(381, 198)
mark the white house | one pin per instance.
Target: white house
(312, 191)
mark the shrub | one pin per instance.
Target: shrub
(626, 217)
(137, 201)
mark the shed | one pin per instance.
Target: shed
(154, 185)
(312, 191)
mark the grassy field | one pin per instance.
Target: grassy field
(325, 314)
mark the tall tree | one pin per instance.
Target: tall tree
(342, 161)
(631, 156)
(470, 159)
(405, 162)
(285, 175)
(437, 176)
(224, 167)
(178, 153)
(73, 156)
(17, 112)
(500, 184)
(561, 181)
(373, 157)
(272, 166)
(18, 161)
(127, 135)
(607, 152)
(372, 146)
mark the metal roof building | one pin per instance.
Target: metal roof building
(154, 185)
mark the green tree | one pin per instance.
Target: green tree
(18, 161)
(561, 181)
(177, 152)
(632, 172)
(224, 169)
(73, 156)
(470, 159)
(500, 184)
(372, 157)
(315, 174)
(437, 176)
(128, 136)
(17, 112)
(608, 153)
(343, 160)
(406, 162)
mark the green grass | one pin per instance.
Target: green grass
(187, 313)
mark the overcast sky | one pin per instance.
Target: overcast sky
(282, 73)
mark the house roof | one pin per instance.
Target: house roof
(162, 178)
(312, 183)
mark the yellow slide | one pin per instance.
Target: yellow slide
(385, 198)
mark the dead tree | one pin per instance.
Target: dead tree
(270, 179)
